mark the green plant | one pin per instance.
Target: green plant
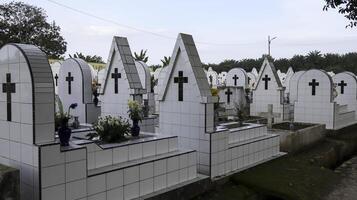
(135, 110)
(110, 129)
(61, 117)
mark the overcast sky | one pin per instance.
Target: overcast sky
(222, 29)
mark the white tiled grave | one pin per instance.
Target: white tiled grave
(75, 86)
(212, 78)
(231, 97)
(346, 86)
(186, 111)
(252, 80)
(222, 77)
(316, 104)
(83, 170)
(123, 170)
(269, 90)
(55, 67)
(145, 78)
(122, 83)
(240, 148)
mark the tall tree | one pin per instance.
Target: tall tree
(142, 56)
(165, 61)
(346, 7)
(24, 23)
(87, 58)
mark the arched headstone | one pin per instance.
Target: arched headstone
(346, 83)
(315, 102)
(212, 78)
(293, 86)
(27, 112)
(55, 72)
(75, 86)
(237, 77)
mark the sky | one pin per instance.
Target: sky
(225, 29)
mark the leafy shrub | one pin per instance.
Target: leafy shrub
(111, 129)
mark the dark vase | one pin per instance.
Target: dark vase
(135, 129)
(64, 134)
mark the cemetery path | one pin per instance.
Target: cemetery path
(347, 188)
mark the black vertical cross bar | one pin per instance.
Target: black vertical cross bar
(8, 88)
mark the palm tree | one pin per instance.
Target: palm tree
(142, 56)
(165, 61)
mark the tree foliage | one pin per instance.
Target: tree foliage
(165, 61)
(142, 56)
(346, 7)
(313, 60)
(24, 23)
(87, 58)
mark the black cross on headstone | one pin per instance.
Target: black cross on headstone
(69, 79)
(342, 85)
(235, 78)
(228, 93)
(266, 79)
(8, 88)
(313, 84)
(210, 79)
(116, 76)
(56, 78)
(180, 80)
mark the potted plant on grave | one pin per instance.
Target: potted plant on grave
(61, 123)
(110, 129)
(136, 114)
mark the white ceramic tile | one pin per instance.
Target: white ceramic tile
(131, 175)
(54, 175)
(76, 189)
(96, 184)
(114, 179)
(54, 193)
(160, 182)
(76, 170)
(131, 191)
(149, 149)
(135, 151)
(172, 178)
(146, 186)
(146, 171)
(172, 164)
(115, 194)
(160, 167)
(162, 146)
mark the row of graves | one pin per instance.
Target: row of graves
(181, 144)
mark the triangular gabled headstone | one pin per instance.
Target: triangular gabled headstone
(185, 58)
(268, 90)
(122, 81)
(185, 99)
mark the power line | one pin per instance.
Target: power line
(139, 29)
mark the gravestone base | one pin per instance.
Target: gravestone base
(148, 124)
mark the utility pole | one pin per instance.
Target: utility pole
(269, 42)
